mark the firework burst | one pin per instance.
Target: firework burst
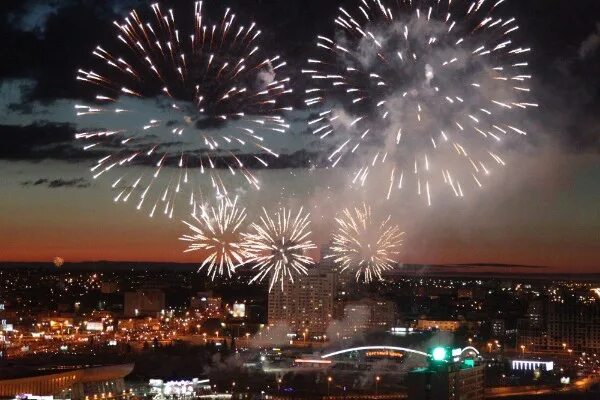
(364, 245)
(217, 233)
(420, 93)
(188, 107)
(277, 246)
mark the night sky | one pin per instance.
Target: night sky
(543, 208)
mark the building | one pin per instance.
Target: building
(145, 302)
(531, 365)
(206, 303)
(307, 303)
(498, 328)
(574, 324)
(561, 324)
(442, 325)
(371, 314)
(81, 383)
(446, 379)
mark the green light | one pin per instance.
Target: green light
(439, 354)
(469, 362)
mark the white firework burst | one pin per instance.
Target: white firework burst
(278, 246)
(217, 234)
(420, 92)
(182, 110)
(365, 245)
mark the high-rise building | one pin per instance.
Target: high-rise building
(371, 314)
(445, 379)
(565, 322)
(305, 304)
(574, 324)
(145, 302)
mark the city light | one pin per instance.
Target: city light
(439, 354)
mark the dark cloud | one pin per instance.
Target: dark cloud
(39, 141)
(77, 183)
(47, 41)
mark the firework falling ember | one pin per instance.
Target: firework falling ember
(278, 244)
(217, 232)
(421, 93)
(183, 103)
(364, 245)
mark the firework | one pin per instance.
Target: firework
(217, 233)
(189, 108)
(277, 246)
(420, 92)
(363, 244)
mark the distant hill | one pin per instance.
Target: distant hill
(471, 270)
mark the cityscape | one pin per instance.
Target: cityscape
(300, 200)
(322, 336)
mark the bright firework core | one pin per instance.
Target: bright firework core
(420, 93)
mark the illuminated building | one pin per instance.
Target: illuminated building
(447, 377)
(205, 302)
(530, 365)
(145, 302)
(442, 325)
(80, 382)
(498, 327)
(575, 323)
(305, 304)
(561, 324)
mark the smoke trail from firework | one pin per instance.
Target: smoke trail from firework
(364, 245)
(420, 94)
(277, 245)
(213, 77)
(217, 232)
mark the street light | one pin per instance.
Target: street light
(329, 379)
(489, 347)
(377, 378)
(523, 350)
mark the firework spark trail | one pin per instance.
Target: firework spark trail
(217, 232)
(277, 246)
(364, 245)
(214, 91)
(423, 92)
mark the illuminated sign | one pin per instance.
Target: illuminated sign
(384, 353)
